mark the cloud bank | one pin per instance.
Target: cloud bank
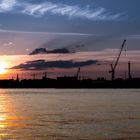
(44, 8)
(64, 50)
(42, 64)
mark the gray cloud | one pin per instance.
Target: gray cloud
(133, 36)
(43, 8)
(48, 33)
(45, 51)
(64, 50)
(42, 64)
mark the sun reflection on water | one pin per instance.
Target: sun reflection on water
(11, 120)
(5, 107)
(2, 121)
(3, 117)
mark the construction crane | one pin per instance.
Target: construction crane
(129, 71)
(34, 75)
(113, 67)
(78, 73)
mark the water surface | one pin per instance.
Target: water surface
(52, 114)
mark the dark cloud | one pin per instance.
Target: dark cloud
(69, 49)
(38, 51)
(44, 51)
(42, 64)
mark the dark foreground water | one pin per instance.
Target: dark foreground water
(52, 114)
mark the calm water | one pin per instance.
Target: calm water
(50, 114)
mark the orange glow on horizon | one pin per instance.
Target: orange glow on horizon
(3, 67)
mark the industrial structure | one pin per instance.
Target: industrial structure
(129, 71)
(113, 67)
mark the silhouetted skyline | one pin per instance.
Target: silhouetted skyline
(60, 36)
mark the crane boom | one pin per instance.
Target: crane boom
(113, 68)
(119, 54)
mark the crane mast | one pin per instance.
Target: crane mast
(113, 67)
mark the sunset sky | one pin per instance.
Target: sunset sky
(91, 30)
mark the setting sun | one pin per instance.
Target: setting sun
(2, 67)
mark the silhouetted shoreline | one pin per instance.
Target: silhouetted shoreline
(70, 82)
